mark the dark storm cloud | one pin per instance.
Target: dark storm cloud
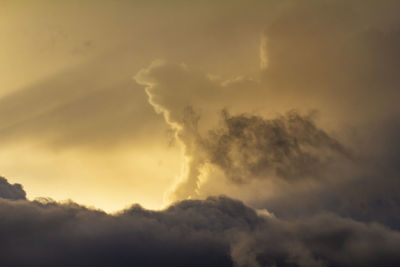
(51, 234)
(365, 198)
(218, 231)
(11, 191)
(371, 193)
(290, 147)
(323, 240)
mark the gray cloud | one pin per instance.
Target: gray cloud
(371, 193)
(290, 147)
(244, 147)
(322, 240)
(218, 231)
(11, 191)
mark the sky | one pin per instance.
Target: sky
(240, 133)
(72, 114)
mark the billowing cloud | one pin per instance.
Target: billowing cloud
(217, 231)
(335, 63)
(290, 147)
(180, 94)
(244, 147)
(11, 191)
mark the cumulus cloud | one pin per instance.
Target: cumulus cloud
(11, 191)
(217, 231)
(290, 147)
(180, 93)
(244, 147)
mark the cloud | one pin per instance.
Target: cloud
(323, 240)
(217, 231)
(286, 163)
(244, 147)
(336, 60)
(339, 57)
(11, 191)
(290, 147)
(369, 193)
(334, 56)
(74, 109)
(180, 94)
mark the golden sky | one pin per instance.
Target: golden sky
(74, 124)
(77, 123)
